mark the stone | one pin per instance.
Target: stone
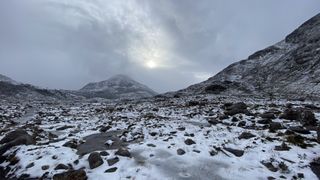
(45, 167)
(291, 114)
(111, 170)
(315, 167)
(189, 142)
(235, 152)
(95, 160)
(268, 115)
(15, 138)
(123, 152)
(180, 152)
(238, 108)
(282, 147)
(113, 161)
(71, 175)
(73, 144)
(61, 166)
(104, 153)
(30, 165)
(299, 129)
(308, 118)
(246, 135)
(270, 166)
(274, 126)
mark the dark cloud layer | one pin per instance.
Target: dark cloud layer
(165, 44)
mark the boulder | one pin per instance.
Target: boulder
(15, 138)
(123, 152)
(235, 152)
(71, 175)
(180, 152)
(246, 135)
(95, 160)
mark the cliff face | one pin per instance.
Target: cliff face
(288, 68)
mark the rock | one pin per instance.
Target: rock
(45, 167)
(153, 134)
(104, 153)
(267, 115)
(246, 135)
(297, 140)
(95, 160)
(15, 138)
(189, 142)
(180, 152)
(264, 121)
(105, 128)
(71, 175)
(213, 121)
(113, 161)
(73, 144)
(30, 165)
(299, 129)
(151, 145)
(282, 147)
(111, 170)
(315, 167)
(242, 124)
(274, 126)
(61, 166)
(308, 118)
(238, 108)
(291, 114)
(270, 166)
(123, 152)
(64, 128)
(235, 152)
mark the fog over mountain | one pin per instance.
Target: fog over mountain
(166, 45)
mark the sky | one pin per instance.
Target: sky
(166, 45)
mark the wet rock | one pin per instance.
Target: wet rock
(111, 170)
(180, 152)
(61, 166)
(71, 175)
(123, 152)
(113, 161)
(235, 152)
(189, 142)
(15, 138)
(95, 160)
(282, 147)
(246, 135)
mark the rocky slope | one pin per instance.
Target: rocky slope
(290, 68)
(119, 86)
(4, 78)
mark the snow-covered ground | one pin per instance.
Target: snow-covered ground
(178, 138)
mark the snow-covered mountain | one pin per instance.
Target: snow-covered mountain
(290, 68)
(119, 86)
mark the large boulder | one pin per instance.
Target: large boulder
(95, 160)
(71, 175)
(237, 108)
(15, 138)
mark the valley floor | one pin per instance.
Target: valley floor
(199, 137)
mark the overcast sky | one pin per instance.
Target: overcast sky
(165, 44)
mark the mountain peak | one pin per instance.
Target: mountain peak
(118, 86)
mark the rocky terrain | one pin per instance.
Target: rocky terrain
(196, 137)
(257, 119)
(289, 69)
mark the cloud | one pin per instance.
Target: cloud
(165, 44)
